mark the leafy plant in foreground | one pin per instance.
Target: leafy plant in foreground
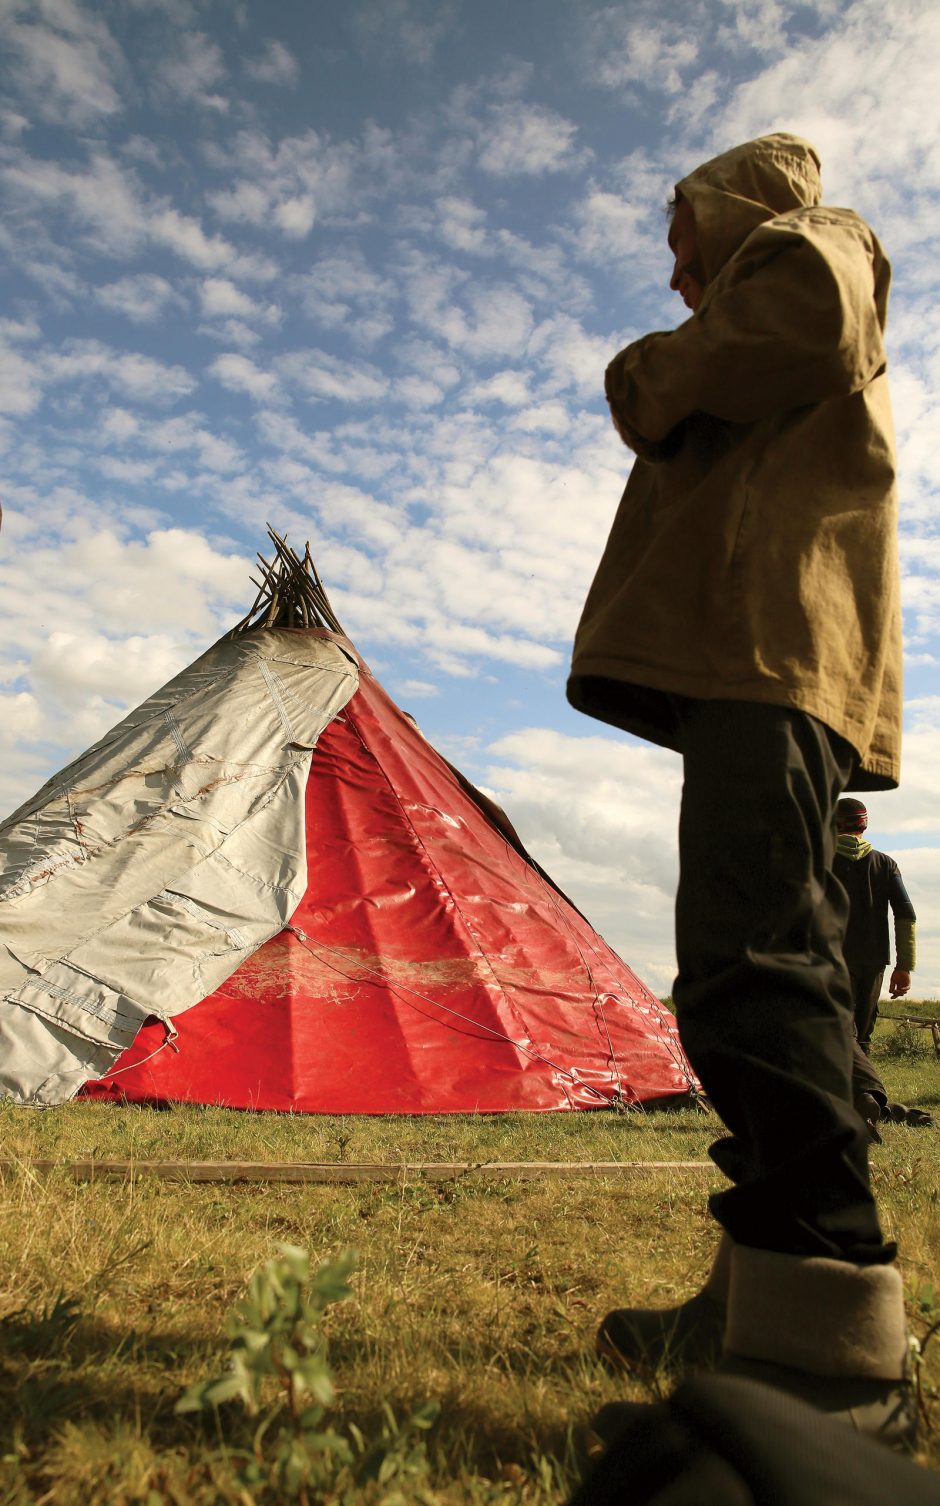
(927, 1306)
(276, 1337)
(905, 1042)
(42, 1331)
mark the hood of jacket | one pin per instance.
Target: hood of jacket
(733, 194)
(852, 847)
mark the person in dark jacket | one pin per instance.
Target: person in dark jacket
(873, 882)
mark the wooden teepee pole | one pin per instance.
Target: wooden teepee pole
(290, 593)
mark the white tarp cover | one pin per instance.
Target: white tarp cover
(135, 882)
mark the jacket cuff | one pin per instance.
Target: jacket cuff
(647, 449)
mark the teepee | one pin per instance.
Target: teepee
(264, 888)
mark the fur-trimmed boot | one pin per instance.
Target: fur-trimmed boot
(831, 1333)
(687, 1337)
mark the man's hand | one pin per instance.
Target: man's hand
(900, 983)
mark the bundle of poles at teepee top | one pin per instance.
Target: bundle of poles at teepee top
(290, 592)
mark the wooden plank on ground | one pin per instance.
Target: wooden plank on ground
(341, 1171)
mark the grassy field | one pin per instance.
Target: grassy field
(479, 1295)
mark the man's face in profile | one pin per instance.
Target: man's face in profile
(686, 278)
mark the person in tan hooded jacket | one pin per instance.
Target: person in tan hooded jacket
(754, 553)
(745, 612)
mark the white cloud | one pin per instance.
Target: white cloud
(141, 298)
(129, 472)
(193, 69)
(72, 668)
(246, 202)
(608, 225)
(321, 375)
(221, 298)
(232, 332)
(461, 224)
(284, 433)
(12, 123)
(404, 614)
(290, 185)
(275, 65)
(698, 100)
(408, 30)
(64, 62)
(756, 24)
(295, 216)
(861, 91)
(140, 376)
(496, 566)
(239, 374)
(430, 362)
(635, 48)
(104, 199)
(257, 204)
(183, 437)
(180, 13)
(510, 388)
(460, 605)
(545, 272)
(192, 433)
(118, 425)
(141, 149)
(619, 221)
(341, 289)
(20, 382)
(417, 392)
(527, 139)
(922, 606)
(417, 689)
(19, 329)
(913, 809)
(118, 219)
(571, 356)
(184, 234)
(923, 715)
(60, 286)
(915, 395)
(20, 718)
(543, 418)
(483, 320)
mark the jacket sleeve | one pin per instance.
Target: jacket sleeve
(792, 320)
(905, 941)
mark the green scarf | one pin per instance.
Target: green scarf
(851, 847)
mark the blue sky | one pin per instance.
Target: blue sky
(358, 269)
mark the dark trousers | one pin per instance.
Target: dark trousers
(866, 991)
(864, 1077)
(762, 995)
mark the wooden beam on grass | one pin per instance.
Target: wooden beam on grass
(341, 1172)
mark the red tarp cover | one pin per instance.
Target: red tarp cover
(440, 974)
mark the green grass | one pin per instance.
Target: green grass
(482, 1295)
